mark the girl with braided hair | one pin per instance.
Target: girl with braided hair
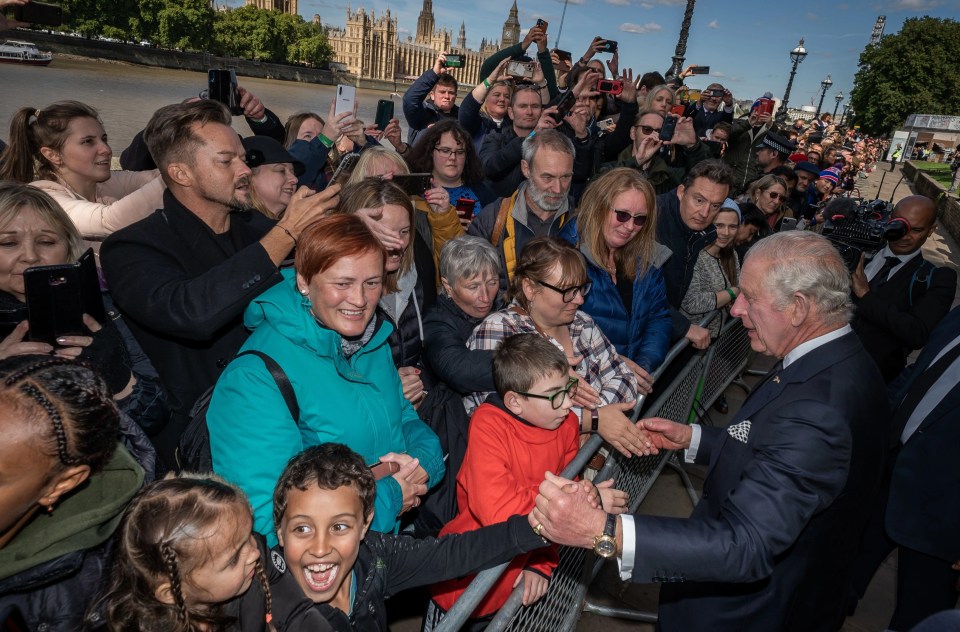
(187, 561)
(65, 481)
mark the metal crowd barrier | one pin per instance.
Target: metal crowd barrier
(702, 379)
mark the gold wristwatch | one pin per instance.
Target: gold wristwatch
(605, 544)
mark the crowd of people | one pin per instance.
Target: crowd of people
(337, 361)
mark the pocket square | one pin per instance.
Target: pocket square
(740, 431)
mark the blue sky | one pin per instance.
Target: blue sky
(746, 43)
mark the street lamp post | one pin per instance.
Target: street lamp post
(677, 67)
(797, 55)
(838, 98)
(846, 108)
(825, 84)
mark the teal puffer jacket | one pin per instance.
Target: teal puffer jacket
(357, 401)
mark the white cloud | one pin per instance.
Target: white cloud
(914, 5)
(646, 5)
(717, 73)
(812, 16)
(713, 25)
(649, 27)
(619, 3)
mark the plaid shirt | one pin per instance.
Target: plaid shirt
(601, 367)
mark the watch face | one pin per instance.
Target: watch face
(605, 548)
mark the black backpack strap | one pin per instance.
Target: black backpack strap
(283, 382)
(922, 276)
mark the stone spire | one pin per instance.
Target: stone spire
(462, 38)
(425, 23)
(511, 28)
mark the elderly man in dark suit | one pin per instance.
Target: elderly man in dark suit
(918, 512)
(184, 275)
(769, 545)
(900, 296)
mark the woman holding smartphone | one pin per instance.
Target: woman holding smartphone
(62, 149)
(446, 152)
(35, 231)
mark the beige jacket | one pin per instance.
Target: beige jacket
(127, 197)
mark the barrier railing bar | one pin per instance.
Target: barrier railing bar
(461, 610)
(619, 613)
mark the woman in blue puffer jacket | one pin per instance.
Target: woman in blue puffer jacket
(614, 231)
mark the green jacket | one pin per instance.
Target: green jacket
(58, 564)
(357, 401)
(661, 175)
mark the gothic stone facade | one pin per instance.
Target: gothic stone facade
(369, 47)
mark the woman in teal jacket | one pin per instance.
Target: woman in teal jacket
(321, 327)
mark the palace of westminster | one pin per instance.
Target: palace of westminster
(369, 46)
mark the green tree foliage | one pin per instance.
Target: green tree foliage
(185, 25)
(245, 32)
(914, 71)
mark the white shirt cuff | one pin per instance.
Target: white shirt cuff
(627, 555)
(690, 455)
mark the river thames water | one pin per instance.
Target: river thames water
(126, 95)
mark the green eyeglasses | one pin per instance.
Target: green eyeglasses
(556, 400)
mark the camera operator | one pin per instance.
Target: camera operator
(900, 296)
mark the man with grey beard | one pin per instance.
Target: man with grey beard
(540, 205)
(183, 276)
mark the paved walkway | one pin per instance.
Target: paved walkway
(668, 497)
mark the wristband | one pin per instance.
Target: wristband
(733, 297)
(289, 234)
(263, 120)
(486, 84)
(325, 141)
(594, 420)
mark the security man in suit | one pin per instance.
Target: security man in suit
(918, 512)
(769, 545)
(900, 296)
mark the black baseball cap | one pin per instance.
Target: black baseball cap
(263, 150)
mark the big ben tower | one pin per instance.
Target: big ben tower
(511, 28)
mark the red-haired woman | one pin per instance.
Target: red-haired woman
(320, 326)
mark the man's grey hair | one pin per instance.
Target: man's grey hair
(550, 138)
(467, 256)
(806, 263)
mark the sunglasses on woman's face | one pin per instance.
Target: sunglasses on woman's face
(776, 196)
(623, 217)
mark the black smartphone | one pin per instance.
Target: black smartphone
(564, 55)
(543, 24)
(222, 87)
(414, 183)
(699, 70)
(39, 13)
(564, 102)
(716, 148)
(669, 125)
(453, 61)
(384, 113)
(58, 297)
(465, 207)
(609, 46)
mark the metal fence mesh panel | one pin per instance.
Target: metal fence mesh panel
(730, 358)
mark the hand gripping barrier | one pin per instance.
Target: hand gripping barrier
(701, 381)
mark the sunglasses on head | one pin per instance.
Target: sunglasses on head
(623, 217)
